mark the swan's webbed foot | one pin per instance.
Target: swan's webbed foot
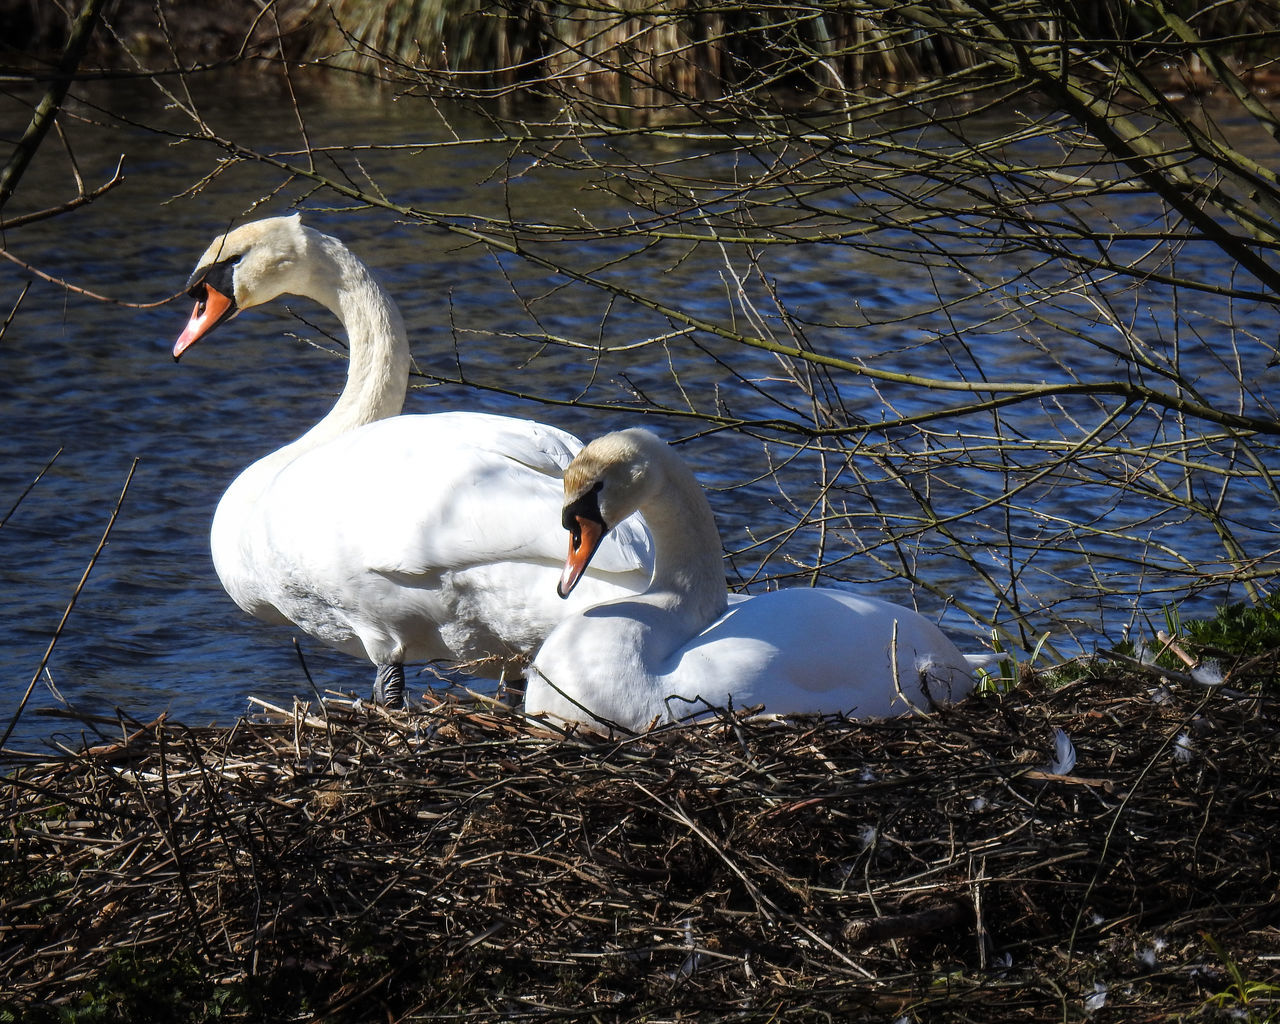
(388, 686)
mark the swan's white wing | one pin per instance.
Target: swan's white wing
(812, 650)
(418, 495)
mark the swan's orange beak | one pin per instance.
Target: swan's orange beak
(584, 537)
(212, 308)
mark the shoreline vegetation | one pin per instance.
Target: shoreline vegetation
(632, 55)
(1093, 841)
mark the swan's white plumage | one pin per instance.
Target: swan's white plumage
(682, 645)
(450, 560)
(399, 538)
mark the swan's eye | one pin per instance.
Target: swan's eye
(580, 512)
(570, 522)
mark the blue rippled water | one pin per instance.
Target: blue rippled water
(152, 630)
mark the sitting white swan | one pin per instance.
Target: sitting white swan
(668, 653)
(408, 539)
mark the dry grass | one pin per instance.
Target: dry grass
(337, 863)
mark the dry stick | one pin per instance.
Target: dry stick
(870, 930)
(13, 722)
(21, 497)
(125, 747)
(16, 305)
(42, 120)
(83, 199)
(328, 728)
(979, 921)
(614, 726)
(61, 283)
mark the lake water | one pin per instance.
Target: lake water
(152, 629)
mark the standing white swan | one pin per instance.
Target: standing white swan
(679, 647)
(398, 538)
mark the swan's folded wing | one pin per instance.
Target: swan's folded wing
(421, 495)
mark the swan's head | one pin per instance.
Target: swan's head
(611, 478)
(246, 267)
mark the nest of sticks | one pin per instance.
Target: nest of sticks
(336, 862)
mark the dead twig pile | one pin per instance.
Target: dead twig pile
(339, 863)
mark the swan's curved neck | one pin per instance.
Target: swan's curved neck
(378, 364)
(688, 572)
(377, 379)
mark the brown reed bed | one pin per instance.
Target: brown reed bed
(336, 862)
(644, 57)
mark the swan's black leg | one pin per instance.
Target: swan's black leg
(388, 686)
